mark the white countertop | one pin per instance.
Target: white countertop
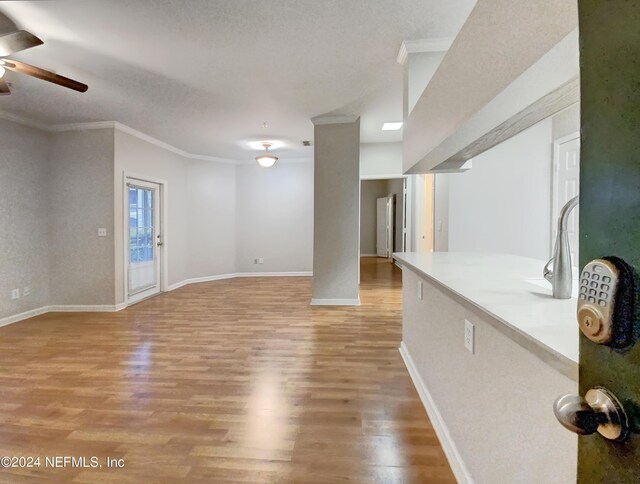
(510, 289)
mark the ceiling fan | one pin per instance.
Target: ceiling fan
(22, 40)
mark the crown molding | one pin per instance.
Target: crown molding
(22, 120)
(342, 119)
(441, 44)
(61, 128)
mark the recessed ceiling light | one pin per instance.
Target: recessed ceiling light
(395, 126)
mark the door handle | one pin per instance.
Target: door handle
(160, 244)
(599, 411)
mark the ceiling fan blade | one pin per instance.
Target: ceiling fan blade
(17, 41)
(45, 75)
(4, 88)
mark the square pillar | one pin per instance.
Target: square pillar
(336, 223)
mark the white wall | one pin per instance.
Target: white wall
(380, 160)
(503, 203)
(135, 156)
(441, 213)
(275, 217)
(211, 219)
(201, 218)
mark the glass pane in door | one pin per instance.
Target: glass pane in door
(143, 273)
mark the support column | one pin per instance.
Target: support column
(336, 223)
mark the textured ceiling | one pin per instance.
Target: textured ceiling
(204, 75)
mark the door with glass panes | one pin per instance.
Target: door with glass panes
(144, 240)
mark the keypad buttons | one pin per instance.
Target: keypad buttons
(606, 279)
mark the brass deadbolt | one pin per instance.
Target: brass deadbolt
(594, 325)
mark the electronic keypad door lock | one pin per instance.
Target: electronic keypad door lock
(599, 411)
(606, 303)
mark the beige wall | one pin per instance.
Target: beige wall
(24, 208)
(81, 201)
(370, 191)
(274, 217)
(497, 404)
(336, 229)
(395, 187)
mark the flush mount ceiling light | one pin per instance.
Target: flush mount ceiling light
(267, 160)
(395, 126)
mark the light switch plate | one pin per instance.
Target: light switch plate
(26, 291)
(102, 232)
(469, 336)
(420, 290)
(15, 294)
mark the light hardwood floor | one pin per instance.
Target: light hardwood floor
(228, 381)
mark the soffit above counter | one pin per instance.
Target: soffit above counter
(513, 64)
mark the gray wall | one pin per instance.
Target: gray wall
(274, 217)
(24, 206)
(370, 191)
(336, 229)
(81, 201)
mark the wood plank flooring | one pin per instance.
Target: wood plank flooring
(227, 381)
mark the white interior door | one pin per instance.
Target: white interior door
(566, 185)
(382, 237)
(144, 240)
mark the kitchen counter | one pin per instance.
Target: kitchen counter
(490, 397)
(512, 292)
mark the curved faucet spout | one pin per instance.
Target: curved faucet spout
(565, 212)
(560, 276)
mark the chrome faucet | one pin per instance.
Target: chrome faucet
(560, 276)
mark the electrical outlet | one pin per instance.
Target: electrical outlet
(420, 290)
(26, 291)
(469, 336)
(15, 294)
(260, 260)
(102, 232)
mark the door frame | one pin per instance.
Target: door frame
(164, 231)
(554, 185)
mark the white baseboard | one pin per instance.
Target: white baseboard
(233, 275)
(91, 308)
(22, 316)
(448, 445)
(110, 308)
(335, 302)
(274, 274)
(102, 308)
(368, 255)
(196, 280)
